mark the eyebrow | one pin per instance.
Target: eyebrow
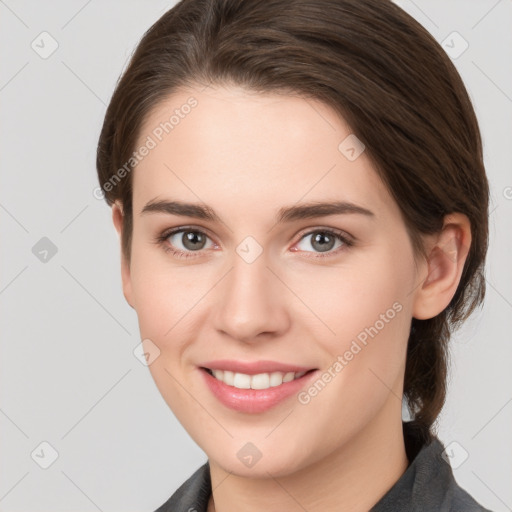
(287, 214)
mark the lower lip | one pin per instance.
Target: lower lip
(254, 400)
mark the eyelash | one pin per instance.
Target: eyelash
(162, 241)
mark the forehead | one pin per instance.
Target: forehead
(233, 147)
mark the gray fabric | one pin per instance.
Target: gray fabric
(428, 485)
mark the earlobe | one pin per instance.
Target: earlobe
(117, 219)
(445, 263)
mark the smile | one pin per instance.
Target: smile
(258, 381)
(254, 393)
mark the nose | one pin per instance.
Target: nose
(251, 301)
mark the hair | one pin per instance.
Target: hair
(375, 66)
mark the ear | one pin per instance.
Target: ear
(117, 218)
(447, 253)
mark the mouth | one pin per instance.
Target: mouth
(253, 392)
(260, 381)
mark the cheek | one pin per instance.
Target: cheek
(351, 297)
(370, 316)
(167, 308)
(170, 301)
(156, 291)
(365, 308)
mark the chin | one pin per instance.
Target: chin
(276, 465)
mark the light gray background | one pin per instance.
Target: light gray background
(68, 375)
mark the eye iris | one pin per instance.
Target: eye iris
(324, 239)
(193, 240)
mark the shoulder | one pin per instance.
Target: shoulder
(428, 484)
(460, 500)
(436, 474)
(192, 495)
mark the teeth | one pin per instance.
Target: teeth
(259, 381)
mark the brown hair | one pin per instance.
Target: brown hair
(382, 72)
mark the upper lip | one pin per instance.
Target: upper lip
(253, 367)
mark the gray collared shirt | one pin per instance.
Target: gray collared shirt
(428, 485)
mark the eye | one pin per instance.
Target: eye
(323, 241)
(183, 242)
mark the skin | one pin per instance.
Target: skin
(247, 155)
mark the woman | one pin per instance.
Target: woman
(302, 204)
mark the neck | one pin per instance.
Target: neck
(352, 478)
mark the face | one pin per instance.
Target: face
(329, 290)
